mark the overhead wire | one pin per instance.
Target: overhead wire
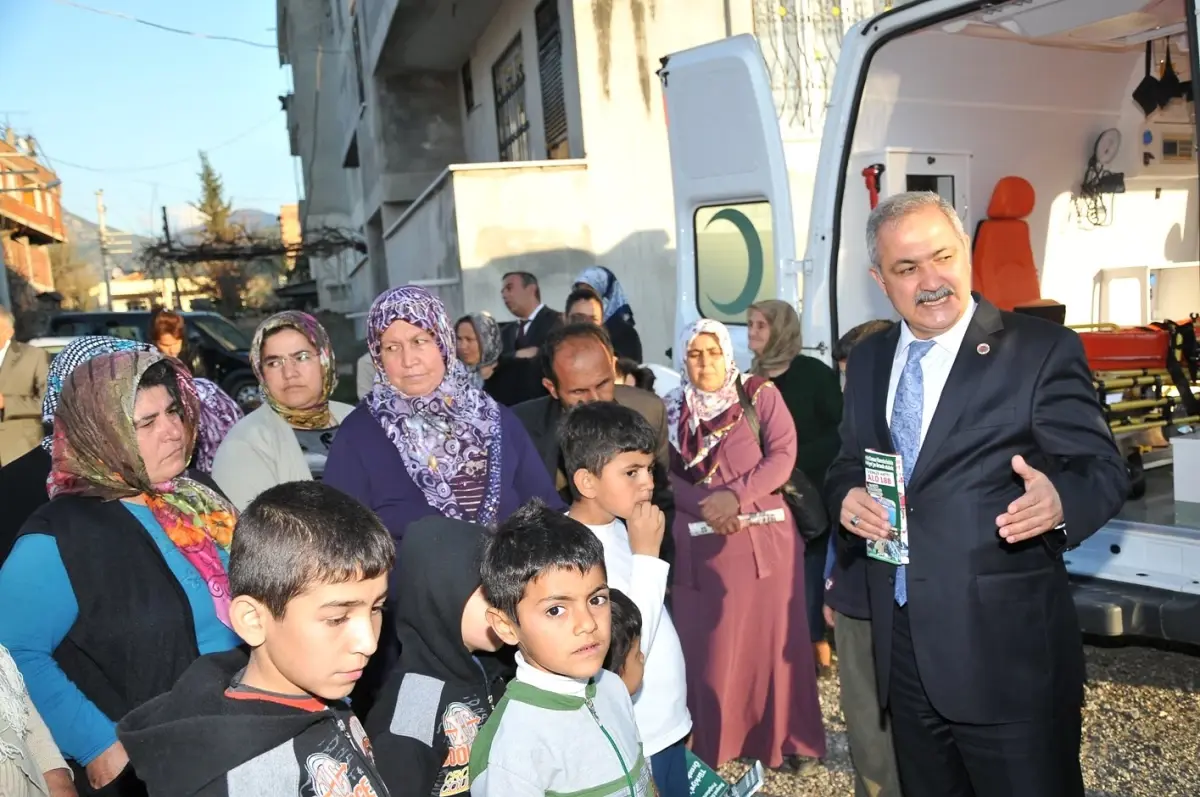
(152, 167)
(167, 28)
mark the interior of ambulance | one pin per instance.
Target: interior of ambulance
(1064, 133)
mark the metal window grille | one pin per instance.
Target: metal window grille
(512, 123)
(550, 71)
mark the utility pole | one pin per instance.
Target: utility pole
(174, 266)
(104, 248)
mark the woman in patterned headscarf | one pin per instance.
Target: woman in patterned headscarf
(509, 380)
(426, 440)
(121, 577)
(288, 438)
(617, 314)
(23, 481)
(741, 587)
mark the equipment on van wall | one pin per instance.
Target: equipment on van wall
(872, 174)
(1154, 93)
(1098, 180)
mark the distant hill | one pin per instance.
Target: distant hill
(84, 236)
(255, 222)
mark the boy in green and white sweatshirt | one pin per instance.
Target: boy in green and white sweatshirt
(565, 726)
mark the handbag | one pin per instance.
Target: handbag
(798, 492)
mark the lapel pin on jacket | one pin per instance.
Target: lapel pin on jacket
(983, 348)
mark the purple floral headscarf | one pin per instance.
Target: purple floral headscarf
(218, 414)
(450, 439)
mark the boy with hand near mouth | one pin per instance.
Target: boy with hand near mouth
(565, 725)
(445, 684)
(608, 451)
(308, 571)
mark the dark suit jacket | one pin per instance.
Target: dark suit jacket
(23, 384)
(535, 336)
(541, 417)
(993, 624)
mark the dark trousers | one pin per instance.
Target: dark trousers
(939, 758)
(867, 724)
(669, 769)
(814, 586)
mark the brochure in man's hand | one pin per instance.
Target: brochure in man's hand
(703, 781)
(885, 483)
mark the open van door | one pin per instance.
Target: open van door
(735, 235)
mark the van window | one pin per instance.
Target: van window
(126, 331)
(222, 331)
(735, 259)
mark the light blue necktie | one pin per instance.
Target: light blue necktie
(907, 410)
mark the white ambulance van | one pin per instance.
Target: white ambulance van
(1064, 133)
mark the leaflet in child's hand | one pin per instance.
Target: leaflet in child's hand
(703, 781)
(885, 483)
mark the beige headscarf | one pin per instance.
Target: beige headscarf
(784, 343)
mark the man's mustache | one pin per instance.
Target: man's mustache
(925, 297)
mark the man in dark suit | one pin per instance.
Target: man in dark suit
(22, 385)
(580, 367)
(1007, 461)
(523, 297)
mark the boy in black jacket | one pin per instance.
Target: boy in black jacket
(447, 682)
(308, 571)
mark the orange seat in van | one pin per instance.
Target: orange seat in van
(1003, 270)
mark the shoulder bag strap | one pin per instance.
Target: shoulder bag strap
(750, 413)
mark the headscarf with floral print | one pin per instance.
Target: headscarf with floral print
(697, 420)
(318, 416)
(96, 454)
(450, 439)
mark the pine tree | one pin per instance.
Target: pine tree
(213, 205)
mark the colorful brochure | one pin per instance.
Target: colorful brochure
(703, 781)
(885, 483)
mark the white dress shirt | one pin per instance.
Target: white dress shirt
(4, 350)
(527, 321)
(935, 365)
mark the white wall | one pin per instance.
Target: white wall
(1018, 109)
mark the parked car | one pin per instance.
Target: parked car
(52, 346)
(224, 350)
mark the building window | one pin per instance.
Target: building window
(358, 65)
(468, 87)
(512, 123)
(550, 72)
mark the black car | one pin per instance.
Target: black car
(222, 348)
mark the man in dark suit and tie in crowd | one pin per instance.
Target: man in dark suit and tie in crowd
(523, 297)
(1007, 462)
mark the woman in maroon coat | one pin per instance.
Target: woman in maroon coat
(738, 598)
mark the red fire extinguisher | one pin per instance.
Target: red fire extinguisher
(871, 175)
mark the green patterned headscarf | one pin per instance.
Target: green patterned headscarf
(317, 416)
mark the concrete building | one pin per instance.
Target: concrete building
(31, 218)
(138, 291)
(472, 139)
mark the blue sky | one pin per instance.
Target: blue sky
(118, 96)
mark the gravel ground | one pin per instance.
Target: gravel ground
(1141, 730)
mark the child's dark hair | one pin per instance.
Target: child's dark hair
(298, 534)
(592, 435)
(643, 377)
(626, 626)
(533, 540)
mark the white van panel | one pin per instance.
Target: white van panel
(734, 226)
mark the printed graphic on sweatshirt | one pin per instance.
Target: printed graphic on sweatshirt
(337, 771)
(460, 723)
(360, 738)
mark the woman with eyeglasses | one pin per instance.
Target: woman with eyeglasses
(288, 438)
